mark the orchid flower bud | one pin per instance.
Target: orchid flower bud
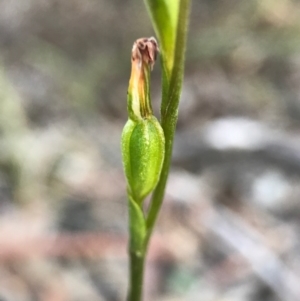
(143, 138)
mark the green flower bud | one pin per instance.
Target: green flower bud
(143, 146)
(143, 141)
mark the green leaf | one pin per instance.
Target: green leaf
(164, 15)
(137, 227)
(170, 20)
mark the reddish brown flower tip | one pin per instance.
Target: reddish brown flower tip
(145, 50)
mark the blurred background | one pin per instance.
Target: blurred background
(229, 229)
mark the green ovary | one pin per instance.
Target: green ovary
(143, 153)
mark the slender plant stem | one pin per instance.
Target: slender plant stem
(137, 262)
(158, 194)
(169, 115)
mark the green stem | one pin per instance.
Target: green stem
(137, 261)
(137, 252)
(158, 194)
(169, 115)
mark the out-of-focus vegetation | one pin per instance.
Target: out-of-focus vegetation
(229, 229)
